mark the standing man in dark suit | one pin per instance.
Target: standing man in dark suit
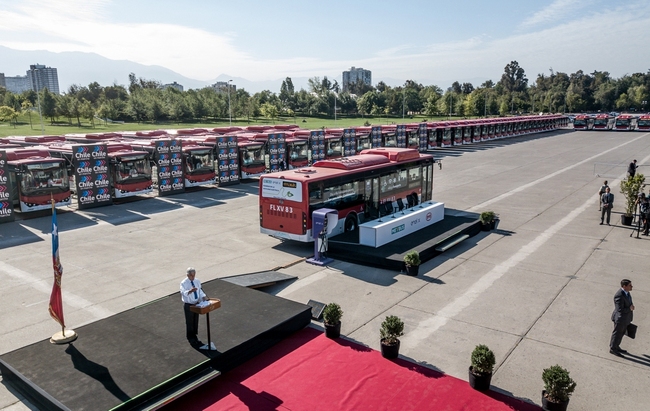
(622, 316)
(607, 202)
(631, 169)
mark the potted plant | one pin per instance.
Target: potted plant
(558, 387)
(480, 372)
(391, 328)
(486, 218)
(630, 189)
(332, 314)
(412, 262)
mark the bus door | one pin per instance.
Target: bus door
(427, 184)
(467, 134)
(447, 137)
(372, 198)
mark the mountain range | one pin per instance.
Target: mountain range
(84, 68)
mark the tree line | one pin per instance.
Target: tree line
(147, 100)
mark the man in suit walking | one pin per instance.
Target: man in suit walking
(622, 316)
(607, 202)
(631, 169)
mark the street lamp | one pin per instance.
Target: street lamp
(229, 109)
(403, 102)
(334, 107)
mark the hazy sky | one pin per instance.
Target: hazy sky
(429, 41)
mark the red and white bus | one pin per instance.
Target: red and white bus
(643, 123)
(198, 160)
(375, 183)
(603, 122)
(582, 122)
(624, 122)
(35, 178)
(129, 170)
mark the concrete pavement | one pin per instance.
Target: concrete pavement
(539, 291)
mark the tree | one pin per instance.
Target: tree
(487, 84)
(8, 114)
(74, 106)
(359, 88)
(287, 94)
(514, 78)
(48, 104)
(87, 111)
(467, 88)
(269, 111)
(26, 107)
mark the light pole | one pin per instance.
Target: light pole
(334, 107)
(403, 102)
(229, 109)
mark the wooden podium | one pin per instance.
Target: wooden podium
(214, 304)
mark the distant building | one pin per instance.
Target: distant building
(173, 85)
(17, 84)
(41, 77)
(222, 87)
(354, 75)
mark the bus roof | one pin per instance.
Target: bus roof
(29, 155)
(368, 159)
(154, 133)
(193, 131)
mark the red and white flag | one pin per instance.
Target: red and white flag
(56, 302)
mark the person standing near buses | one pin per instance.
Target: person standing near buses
(600, 194)
(607, 201)
(191, 294)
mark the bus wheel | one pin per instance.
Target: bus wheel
(351, 223)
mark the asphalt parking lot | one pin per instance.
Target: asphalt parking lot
(538, 291)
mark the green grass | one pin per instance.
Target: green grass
(61, 126)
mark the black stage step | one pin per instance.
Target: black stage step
(260, 279)
(133, 359)
(429, 242)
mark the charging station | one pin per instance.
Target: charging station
(324, 221)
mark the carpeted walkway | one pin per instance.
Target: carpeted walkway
(309, 372)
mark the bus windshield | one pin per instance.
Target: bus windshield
(199, 162)
(622, 122)
(580, 122)
(298, 150)
(363, 143)
(44, 178)
(133, 169)
(600, 122)
(253, 155)
(334, 147)
(643, 123)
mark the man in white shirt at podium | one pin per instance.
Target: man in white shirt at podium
(191, 294)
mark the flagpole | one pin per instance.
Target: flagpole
(56, 301)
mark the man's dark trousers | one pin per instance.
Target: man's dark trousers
(191, 324)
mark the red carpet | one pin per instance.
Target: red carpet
(310, 372)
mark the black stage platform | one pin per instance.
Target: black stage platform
(429, 242)
(135, 358)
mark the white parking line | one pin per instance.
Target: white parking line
(427, 327)
(519, 189)
(45, 286)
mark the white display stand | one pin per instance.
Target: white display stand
(392, 227)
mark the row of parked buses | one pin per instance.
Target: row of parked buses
(623, 122)
(42, 168)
